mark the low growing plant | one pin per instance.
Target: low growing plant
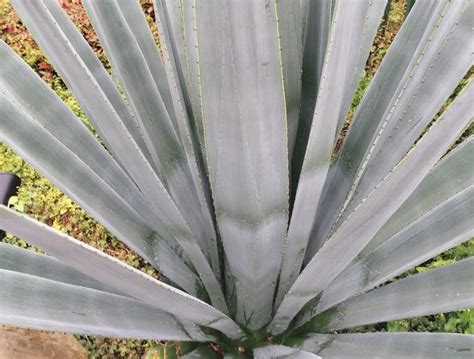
(214, 159)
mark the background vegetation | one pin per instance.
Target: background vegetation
(40, 199)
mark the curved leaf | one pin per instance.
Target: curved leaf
(354, 27)
(438, 186)
(83, 74)
(375, 211)
(114, 273)
(389, 345)
(439, 290)
(317, 20)
(133, 14)
(412, 70)
(197, 217)
(420, 97)
(444, 227)
(50, 305)
(15, 259)
(247, 147)
(136, 80)
(38, 147)
(20, 83)
(290, 28)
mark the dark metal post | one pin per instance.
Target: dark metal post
(8, 187)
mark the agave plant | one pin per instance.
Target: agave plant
(213, 158)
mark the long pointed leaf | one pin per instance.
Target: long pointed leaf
(177, 27)
(26, 300)
(38, 147)
(438, 290)
(405, 75)
(175, 21)
(178, 35)
(30, 140)
(290, 25)
(134, 73)
(101, 76)
(90, 95)
(171, 223)
(317, 19)
(114, 273)
(389, 345)
(163, 141)
(133, 13)
(19, 82)
(82, 72)
(198, 217)
(438, 187)
(16, 259)
(421, 97)
(353, 30)
(374, 212)
(245, 128)
(444, 227)
(449, 177)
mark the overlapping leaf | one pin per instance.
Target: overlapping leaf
(245, 134)
(112, 272)
(438, 290)
(388, 345)
(374, 212)
(352, 32)
(416, 76)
